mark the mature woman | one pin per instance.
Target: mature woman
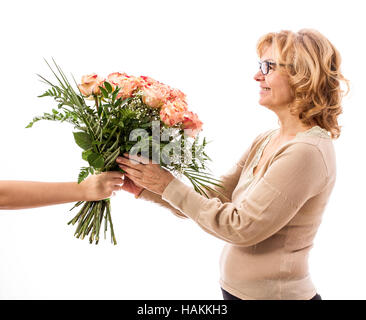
(278, 190)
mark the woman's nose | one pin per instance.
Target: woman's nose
(258, 76)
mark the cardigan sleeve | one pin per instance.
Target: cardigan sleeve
(296, 174)
(228, 181)
(147, 195)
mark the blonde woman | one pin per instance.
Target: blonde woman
(278, 190)
(31, 194)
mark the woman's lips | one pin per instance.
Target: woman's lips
(264, 90)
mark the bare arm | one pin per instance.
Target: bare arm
(31, 194)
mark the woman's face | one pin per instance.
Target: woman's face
(275, 91)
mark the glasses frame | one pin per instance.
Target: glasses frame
(268, 64)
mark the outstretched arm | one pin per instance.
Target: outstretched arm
(228, 181)
(31, 194)
(295, 175)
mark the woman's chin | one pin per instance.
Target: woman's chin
(263, 102)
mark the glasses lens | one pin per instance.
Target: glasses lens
(264, 67)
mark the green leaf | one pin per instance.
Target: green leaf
(145, 125)
(83, 140)
(86, 154)
(83, 174)
(108, 86)
(96, 160)
(46, 94)
(104, 92)
(114, 95)
(118, 102)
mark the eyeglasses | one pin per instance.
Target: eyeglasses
(266, 66)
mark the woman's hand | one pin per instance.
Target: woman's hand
(131, 187)
(101, 186)
(150, 176)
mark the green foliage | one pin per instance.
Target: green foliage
(83, 140)
(84, 172)
(104, 92)
(85, 154)
(96, 160)
(108, 87)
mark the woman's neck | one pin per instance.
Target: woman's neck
(290, 126)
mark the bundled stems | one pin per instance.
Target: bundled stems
(90, 218)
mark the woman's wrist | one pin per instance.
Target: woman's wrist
(137, 194)
(166, 183)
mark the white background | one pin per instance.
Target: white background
(206, 49)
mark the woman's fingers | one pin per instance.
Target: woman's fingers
(136, 158)
(128, 164)
(133, 161)
(133, 178)
(131, 171)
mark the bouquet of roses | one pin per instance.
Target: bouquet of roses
(123, 113)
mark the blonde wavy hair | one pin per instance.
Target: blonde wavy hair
(312, 64)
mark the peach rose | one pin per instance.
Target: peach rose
(155, 95)
(177, 94)
(172, 112)
(90, 84)
(116, 78)
(128, 84)
(192, 123)
(147, 81)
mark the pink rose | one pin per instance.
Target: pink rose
(177, 94)
(173, 112)
(155, 95)
(128, 85)
(147, 81)
(90, 84)
(116, 78)
(192, 122)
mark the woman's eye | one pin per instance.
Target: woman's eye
(271, 67)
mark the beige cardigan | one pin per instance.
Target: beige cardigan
(270, 220)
